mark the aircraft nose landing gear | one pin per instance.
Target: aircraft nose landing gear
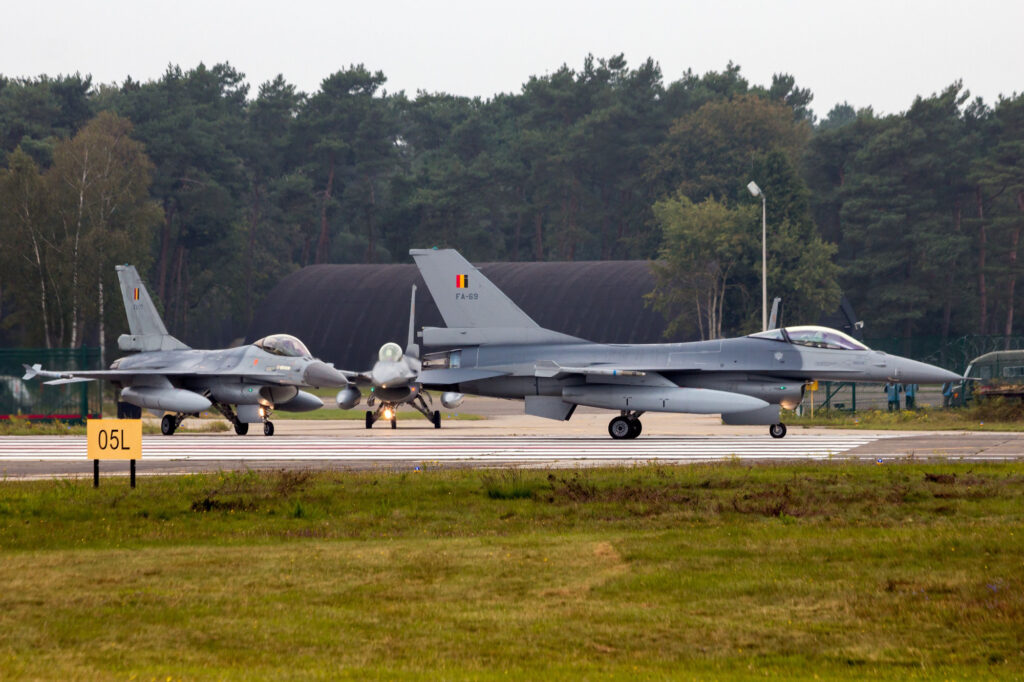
(268, 426)
(777, 430)
(170, 423)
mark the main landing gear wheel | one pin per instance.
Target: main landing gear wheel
(167, 425)
(436, 419)
(636, 427)
(620, 427)
(369, 419)
(241, 428)
(268, 428)
(777, 430)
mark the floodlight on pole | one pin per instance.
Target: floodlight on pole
(756, 191)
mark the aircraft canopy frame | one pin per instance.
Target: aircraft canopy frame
(812, 336)
(285, 345)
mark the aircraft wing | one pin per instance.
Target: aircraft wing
(73, 377)
(57, 378)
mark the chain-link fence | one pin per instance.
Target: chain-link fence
(950, 353)
(33, 399)
(836, 395)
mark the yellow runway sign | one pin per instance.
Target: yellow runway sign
(114, 438)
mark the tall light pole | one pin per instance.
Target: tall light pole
(756, 191)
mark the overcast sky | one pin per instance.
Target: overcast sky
(868, 53)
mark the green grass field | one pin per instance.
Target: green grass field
(912, 570)
(907, 420)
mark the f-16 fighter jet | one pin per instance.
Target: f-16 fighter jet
(499, 351)
(395, 380)
(245, 384)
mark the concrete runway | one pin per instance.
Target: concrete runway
(500, 440)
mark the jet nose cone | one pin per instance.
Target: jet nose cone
(906, 371)
(321, 374)
(387, 374)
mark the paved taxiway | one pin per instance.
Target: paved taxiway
(500, 440)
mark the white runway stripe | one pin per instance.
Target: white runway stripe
(294, 448)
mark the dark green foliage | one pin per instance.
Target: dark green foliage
(924, 208)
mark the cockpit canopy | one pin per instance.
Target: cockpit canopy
(283, 344)
(390, 352)
(813, 336)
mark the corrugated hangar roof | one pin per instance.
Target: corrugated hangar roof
(344, 313)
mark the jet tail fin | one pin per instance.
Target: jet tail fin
(147, 329)
(475, 311)
(463, 295)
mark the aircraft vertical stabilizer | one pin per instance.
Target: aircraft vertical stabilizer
(466, 298)
(147, 329)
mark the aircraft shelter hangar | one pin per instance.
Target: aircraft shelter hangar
(345, 313)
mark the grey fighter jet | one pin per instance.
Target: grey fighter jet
(497, 350)
(245, 384)
(395, 380)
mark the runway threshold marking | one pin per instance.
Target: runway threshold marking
(199, 448)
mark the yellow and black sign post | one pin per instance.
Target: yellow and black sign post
(113, 439)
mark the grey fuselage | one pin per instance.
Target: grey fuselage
(238, 376)
(774, 371)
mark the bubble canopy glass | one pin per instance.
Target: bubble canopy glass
(813, 336)
(390, 352)
(283, 344)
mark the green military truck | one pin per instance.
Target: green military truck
(1000, 373)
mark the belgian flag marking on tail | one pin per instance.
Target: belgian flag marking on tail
(461, 281)
(135, 294)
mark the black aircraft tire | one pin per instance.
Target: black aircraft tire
(636, 428)
(369, 419)
(619, 428)
(394, 423)
(777, 430)
(268, 428)
(167, 425)
(241, 428)
(437, 419)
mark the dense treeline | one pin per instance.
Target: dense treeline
(217, 193)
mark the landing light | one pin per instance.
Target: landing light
(388, 413)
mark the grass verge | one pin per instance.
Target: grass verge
(901, 571)
(16, 426)
(992, 415)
